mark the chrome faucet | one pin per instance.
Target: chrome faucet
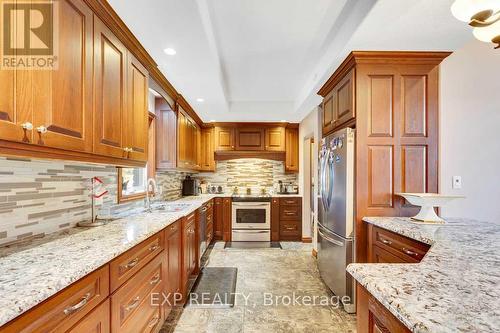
(151, 181)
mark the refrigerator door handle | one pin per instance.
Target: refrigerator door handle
(331, 240)
(324, 163)
(331, 172)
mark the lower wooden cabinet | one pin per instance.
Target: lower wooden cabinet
(188, 249)
(226, 219)
(218, 212)
(373, 317)
(98, 321)
(290, 219)
(65, 309)
(173, 248)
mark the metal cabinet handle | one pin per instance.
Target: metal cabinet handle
(290, 213)
(27, 126)
(290, 228)
(155, 280)
(153, 248)
(131, 263)
(72, 309)
(385, 241)
(204, 209)
(41, 129)
(409, 252)
(154, 322)
(133, 304)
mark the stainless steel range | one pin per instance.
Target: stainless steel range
(251, 218)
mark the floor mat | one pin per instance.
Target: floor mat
(215, 288)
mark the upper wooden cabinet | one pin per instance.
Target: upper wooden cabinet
(206, 150)
(338, 104)
(110, 74)
(275, 139)
(292, 150)
(187, 138)
(224, 138)
(248, 138)
(136, 116)
(166, 135)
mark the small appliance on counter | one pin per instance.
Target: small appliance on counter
(287, 189)
(190, 186)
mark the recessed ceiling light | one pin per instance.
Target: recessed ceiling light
(212, 120)
(201, 100)
(283, 121)
(170, 51)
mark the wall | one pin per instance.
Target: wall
(308, 128)
(39, 197)
(469, 130)
(252, 172)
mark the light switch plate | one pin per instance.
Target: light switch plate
(457, 182)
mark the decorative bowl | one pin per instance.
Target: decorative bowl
(427, 202)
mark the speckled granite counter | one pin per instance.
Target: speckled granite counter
(32, 274)
(455, 288)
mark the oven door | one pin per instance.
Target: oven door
(251, 215)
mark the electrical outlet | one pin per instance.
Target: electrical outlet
(457, 182)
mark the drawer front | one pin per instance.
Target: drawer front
(290, 228)
(290, 201)
(126, 301)
(405, 248)
(381, 256)
(148, 318)
(129, 263)
(97, 321)
(172, 229)
(291, 213)
(60, 313)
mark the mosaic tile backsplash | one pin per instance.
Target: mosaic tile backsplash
(38, 197)
(249, 172)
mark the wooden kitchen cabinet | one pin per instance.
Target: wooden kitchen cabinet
(275, 139)
(166, 135)
(292, 150)
(173, 248)
(249, 138)
(275, 219)
(290, 219)
(98, 321)
(110, 75)
(373, 317)
(188, 249)
(226, 219)
(218, 218)
(188, 131)
(385, 246)
(224, 138)
(206, 150)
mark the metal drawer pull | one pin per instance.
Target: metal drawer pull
(133, 304)
(290, 228)
(155, 280)
(409, 252)
(385, 241)
(154, 247)
(204, 209)
(290, 213)
(71, 309)
(154, 322)
(132, 263)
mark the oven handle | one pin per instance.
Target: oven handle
(251, 231)
(250, 205)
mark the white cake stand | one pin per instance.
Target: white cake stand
(427, 202)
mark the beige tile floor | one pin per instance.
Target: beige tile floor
(261, 273)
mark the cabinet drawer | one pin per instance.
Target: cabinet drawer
(172, 229)
(191, 218)
(405, 248)
(381, 256)
(289, 201)
(127, 300)
(288, 228)
(129, 263)
(65, 309)
(292, 213)
(97, 321)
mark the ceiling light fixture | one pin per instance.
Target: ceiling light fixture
(212, 120)
(170, 51)
(200, 100)
(283, 121)
(483, 15)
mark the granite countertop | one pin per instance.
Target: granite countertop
(32, 274)
(456, 286)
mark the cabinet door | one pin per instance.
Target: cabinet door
(63, 97)
(292, 150)
(226, 219)
(16, 104)
(275, 219)
(275, 139)
(110, 69)
(182, 136)
(173, 246)
(166, 136)
(224, 138)
(207, 149)
(329, 112)
(98, 321)
(249, 139)
(218, 218)
(135, 120)
(345, 99)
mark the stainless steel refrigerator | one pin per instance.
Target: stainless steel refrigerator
(336, 214)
